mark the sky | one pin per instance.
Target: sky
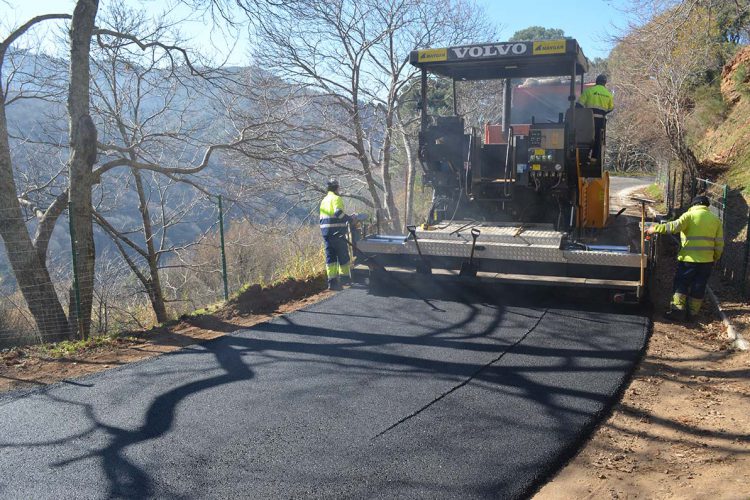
(591, 22)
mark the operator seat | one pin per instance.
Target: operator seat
(579, 123)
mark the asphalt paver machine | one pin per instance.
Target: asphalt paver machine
(525, 200)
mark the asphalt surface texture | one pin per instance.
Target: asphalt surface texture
(422, 394)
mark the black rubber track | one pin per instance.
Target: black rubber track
(424, 395)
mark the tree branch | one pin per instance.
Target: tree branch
(24, 28)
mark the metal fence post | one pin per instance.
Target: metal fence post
(724, 206)
(682, 190)
(670, 185)
(223, 251)
(74, 254)
(673, 196)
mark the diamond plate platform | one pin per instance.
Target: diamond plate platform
(532, 243)
(511, 234)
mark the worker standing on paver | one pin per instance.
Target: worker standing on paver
(600, 100)
(333, 226)
(702, 237)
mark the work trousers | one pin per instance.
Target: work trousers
(690, 282)
(337, 256)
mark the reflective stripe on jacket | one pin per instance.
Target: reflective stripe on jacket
(701, 233)
(332, 217)
(597, 97)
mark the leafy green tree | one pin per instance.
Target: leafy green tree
(537, 33)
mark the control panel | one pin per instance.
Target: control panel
(546, 150)
(545, 162)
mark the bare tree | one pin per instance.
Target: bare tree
(133, 101)
(351, 57)
(157, 120)
(27, 253)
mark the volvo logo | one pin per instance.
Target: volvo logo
(502, 49)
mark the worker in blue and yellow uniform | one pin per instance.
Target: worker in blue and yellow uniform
(333, 225)
(702, 237)
(601, 102)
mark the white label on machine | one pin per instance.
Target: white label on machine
(521, 168)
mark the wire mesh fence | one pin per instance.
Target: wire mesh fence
(731, 206)
(40, 296)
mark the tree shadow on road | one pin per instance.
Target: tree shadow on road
(127, 479)
(296, 339)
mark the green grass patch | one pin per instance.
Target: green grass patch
(739, 172)
(209, 309)
(709, 111)
(655, 192)
(740, 79)
(72, 347)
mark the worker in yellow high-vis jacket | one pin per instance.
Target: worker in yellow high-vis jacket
(601, 102)
(333, 226)
(702, 237)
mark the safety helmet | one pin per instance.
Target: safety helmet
(333, 185)
(601, 79)
(701, 200)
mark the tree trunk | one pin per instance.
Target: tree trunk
(29, 268)
(411, 176)
(155, 292)
(353, 110)
(677, 141)
(82, 137)
(385, 170)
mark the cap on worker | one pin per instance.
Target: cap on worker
(601, 79)
(701, 200)
(333, 185)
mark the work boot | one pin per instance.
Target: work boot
(345, 280)
(675, 315)
(334, 285)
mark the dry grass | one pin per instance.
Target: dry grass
(192, 280)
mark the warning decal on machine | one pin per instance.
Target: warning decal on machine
(549, 47)
(429, 55)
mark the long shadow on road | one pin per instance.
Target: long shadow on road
(356, 396)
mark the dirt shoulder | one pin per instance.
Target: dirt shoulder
(682, 428)
(34, 366)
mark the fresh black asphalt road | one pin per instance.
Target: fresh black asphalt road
(358, 396)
